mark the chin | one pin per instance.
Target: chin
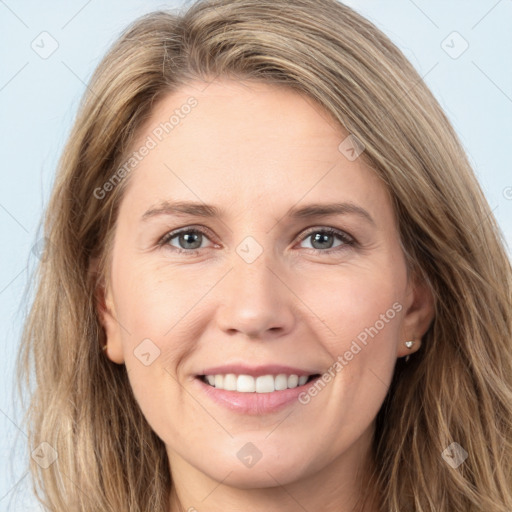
(267, 472)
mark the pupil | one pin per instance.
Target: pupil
(321, 239)
(191, 238)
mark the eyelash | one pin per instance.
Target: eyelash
(344, 237)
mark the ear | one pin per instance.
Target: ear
(107, 314)
(419, 313)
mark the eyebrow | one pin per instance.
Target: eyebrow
(182, 208)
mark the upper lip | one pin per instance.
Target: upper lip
(257, 371)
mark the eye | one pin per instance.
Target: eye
(322, 239)
(189, 240)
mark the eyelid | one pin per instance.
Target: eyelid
(330, 230)
(187, 229)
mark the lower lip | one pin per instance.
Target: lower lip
(254, 403)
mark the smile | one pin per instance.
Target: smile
(261, 384)
(254, 391)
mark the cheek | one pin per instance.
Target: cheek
(153, 300)
(162, 314)
(355, 304)
(363, 311)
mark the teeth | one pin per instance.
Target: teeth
(293, 381)
(229, 382)
(262, 384)
(281, 382)
(245, 384)
(265, 384)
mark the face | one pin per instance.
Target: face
(286, 268)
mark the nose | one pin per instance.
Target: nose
(255, 301)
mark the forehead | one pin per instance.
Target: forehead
(250, 145)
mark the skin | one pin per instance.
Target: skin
(256, 150)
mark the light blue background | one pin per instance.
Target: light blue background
(39, 98)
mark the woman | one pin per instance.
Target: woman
(337, 337)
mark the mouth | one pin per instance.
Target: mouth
(254, 395)
(270, 383)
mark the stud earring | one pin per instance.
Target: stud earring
(409, 345)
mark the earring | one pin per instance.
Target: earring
(409, 345)
(104, 347)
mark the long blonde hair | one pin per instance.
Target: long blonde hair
(457, 388)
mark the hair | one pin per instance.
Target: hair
(456, 388)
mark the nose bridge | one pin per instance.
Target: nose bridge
(254, 301)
